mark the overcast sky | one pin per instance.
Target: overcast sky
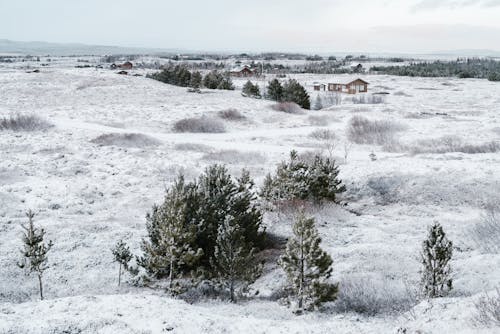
(259, 25)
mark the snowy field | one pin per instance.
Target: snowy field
(90, 190)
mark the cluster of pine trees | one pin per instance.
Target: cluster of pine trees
(290, 91)
(210, 229)
(180, 76)
(461, 68)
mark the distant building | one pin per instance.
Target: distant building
(319, 86)
(126, 66)
(349, 87)
(244, 71)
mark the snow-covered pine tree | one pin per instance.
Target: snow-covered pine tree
(233, 259)
(436, 255)
(196, 80)
(318, 104)
(293, 91)
(275, 90)
(171, 244)
(122, 255)
(323, 180)
(307, 266)
(35, 250)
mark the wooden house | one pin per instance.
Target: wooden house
(349, 87)
(243, 71)
(319, 86)
(126, 66)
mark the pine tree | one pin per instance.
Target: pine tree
(170, 246)
(122, 255)
(233, 259)
(307, 266)
(318, 104)
(196, 80)
(293, 91)
(323, 180)
(275, 90)
(436, 255)
(251, 89)
(35, 250)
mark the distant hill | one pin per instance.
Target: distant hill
(62, 49)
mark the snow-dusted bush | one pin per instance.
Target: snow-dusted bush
(233, 156)
(21, 122)
(199, 125)
(125, 140)
(231, 114)
(486, 233)
(386, 188)
(361, 130)
(446, 144)
(323, 134)
(288, 107)
(372, 296)
(368, 99)
(319, 120)
(192, 147)
(488, 309)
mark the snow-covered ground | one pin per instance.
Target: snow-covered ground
(88, 194)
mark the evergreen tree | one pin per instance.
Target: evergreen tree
(170, 245)
(233, 260)
(196, 80)
(307, 266)
(226, 83)
(251, 89)
(293, 91)
(318, 104)
(436, 255)
(122, 255)
(323, 182)
(275, 90)
(35, 250)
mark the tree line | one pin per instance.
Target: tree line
(180, 76)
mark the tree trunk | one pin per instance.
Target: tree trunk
(40, 286)
(171, 274)
(231, 290)
(119, 274)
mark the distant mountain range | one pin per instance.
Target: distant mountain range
(78, 49)
(64, 49)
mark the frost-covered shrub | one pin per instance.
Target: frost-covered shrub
(288, 107)
(323, 134)
(298, 179)
(21, 122)
(368, 99)
(125, 140)
(320, 120)
(361, 130)
(372, 296)
(235, 157)
(486, 233)
(386, 188)
(192, 147)
(446, 144)
(199, 125)
(231, 114)
(488, 309)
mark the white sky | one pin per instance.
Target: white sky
(259, 25)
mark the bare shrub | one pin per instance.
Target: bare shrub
(363, 131)
(486, 233)
(331, 99)
(368, 99)
(447, 144)
(19, 122)
(386, 188)
(231, 114)
(319, 120)
(488, 309)
(192, 147)
(401, 93)
(288, 107)
(233, 156)
(372, 296)
(323, 134)
(199, 125)
(125, 140)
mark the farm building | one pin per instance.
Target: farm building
(244, 71)
(126, 65)
(319, 86)
(349, 87)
